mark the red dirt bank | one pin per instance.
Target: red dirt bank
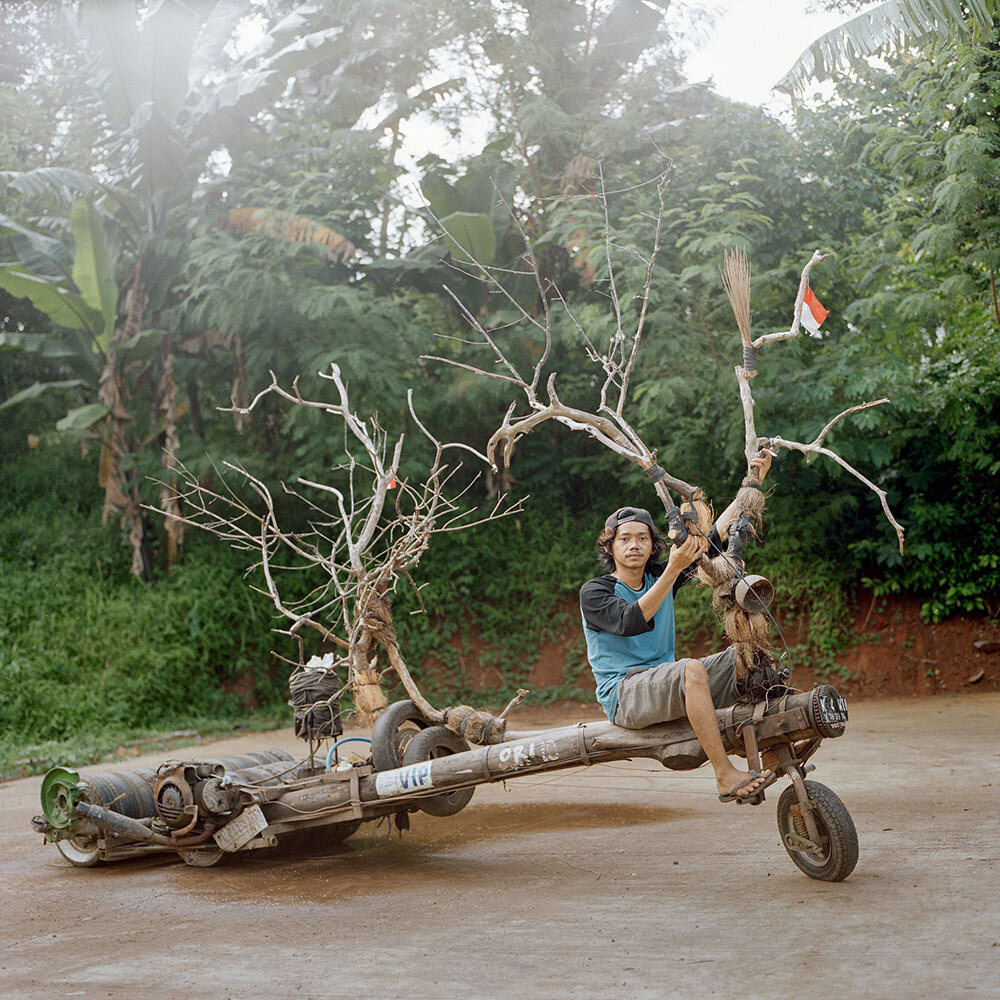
(895, 654)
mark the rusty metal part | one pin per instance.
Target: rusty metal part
(174, 796)
(124, 826)
(184, 790)
(800, 823)
(805, 806)
(191, 811)
(750, 742)
(803, 750)
(201, 857)
(799, 842)
(215, 795)
(754, 594)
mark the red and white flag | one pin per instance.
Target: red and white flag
(813, 312)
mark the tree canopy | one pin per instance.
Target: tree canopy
(211, 191)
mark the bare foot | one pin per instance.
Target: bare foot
(741, 784)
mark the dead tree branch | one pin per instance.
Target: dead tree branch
(816, 448)
(746, 627)
(366, 530)
(608, 424)
(793, 330)
(736, 278)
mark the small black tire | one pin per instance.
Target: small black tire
(392, 731)
(838, 836)
(315, 838)
(207, 856)
(438, 741)
(80, 852)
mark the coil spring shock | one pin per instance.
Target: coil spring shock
(798, 821)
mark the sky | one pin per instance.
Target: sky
(754, 44)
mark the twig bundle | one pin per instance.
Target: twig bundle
(736, 279)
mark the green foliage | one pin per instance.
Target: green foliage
(920, 273)
(890, 25)
(897, 173)
(93, 271)
(506, 586)
(87, 649)
(62, 305)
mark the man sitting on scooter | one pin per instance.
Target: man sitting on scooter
(628, 618)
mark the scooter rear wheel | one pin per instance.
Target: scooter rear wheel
(392, 732)
(81, 852)
(438, 741)
(836, 854)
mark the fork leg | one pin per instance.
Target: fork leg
(791, 766)
(750, 742)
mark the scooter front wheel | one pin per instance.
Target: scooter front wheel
(833, 858)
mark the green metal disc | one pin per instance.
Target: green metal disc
(60, 793)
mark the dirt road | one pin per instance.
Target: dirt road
(619, 880)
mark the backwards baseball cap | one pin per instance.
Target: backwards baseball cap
(625, 514)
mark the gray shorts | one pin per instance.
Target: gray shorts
(648, 695)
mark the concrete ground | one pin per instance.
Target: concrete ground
(619, 880)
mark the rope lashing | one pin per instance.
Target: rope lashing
(475, 726)
(749, 359)
(315, 703)
(655, 473)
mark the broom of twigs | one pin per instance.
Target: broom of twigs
(736, 280)
(748, 632)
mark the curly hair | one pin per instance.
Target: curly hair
(606, 537)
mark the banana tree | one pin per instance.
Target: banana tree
(171, 93)
(888, 26)
(74, 286)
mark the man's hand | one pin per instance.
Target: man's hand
(762, 463)
(690, 551)
(681, 556)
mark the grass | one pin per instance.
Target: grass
(19, 760)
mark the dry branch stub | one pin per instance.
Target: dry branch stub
(474, 725)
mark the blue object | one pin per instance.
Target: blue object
(346, 739)
(611, 656)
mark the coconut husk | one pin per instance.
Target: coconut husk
(750, 497)
(715, 573)
(368, 695)
(742, 626)
(474, 725)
